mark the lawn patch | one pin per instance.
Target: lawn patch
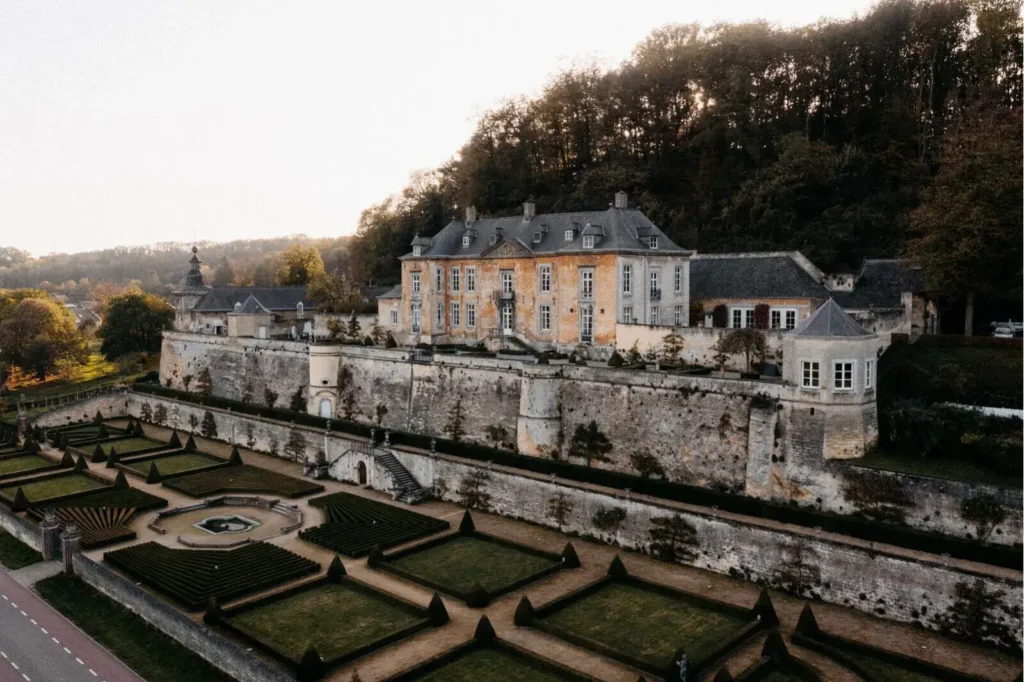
(870, 662)
(471, 566)
(243, 478)
(132, 444)
(194, 577)
(15, 554)
(486, 657)
(646, 625)
(21, 465)
(50, 488)
(288, 625)
(174, 464)
(355, 525)
(150, 653)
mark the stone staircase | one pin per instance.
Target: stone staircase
(408, 488)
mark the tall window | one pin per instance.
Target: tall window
(627, 279)
(776, 319)
(545, 279)
(456, 279)
(790, 319)
(299, 310)
(654, 315)
(545, 318)
(654, 280)
(439, 279)
(470, 279)
(587, 284)
(456, 316)
(586, 323)
(842, 375)
(588, 241)
(508, 282)
(627, 314)
(869, 374)
(678, 279)
(394, 317)
(470, 315)
(679, 316)
(810, 374)
(742, 317)
(414, 278)
(416, 317)
(440, 315)
(783, 318)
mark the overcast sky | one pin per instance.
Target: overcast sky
(141, 121)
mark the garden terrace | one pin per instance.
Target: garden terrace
(241, 479)
(285, 625)
(52, 488)
(647, 625)
(494, 659)
(862, 528)
(172, 464)
(137, 445)
(869, 662)
(356, 524)
(194, 577)
(470, 566)
(117, 498)
(13, 466)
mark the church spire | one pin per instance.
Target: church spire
(194, 278)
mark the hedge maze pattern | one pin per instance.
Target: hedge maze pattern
(244, 478)
(355, 524)
(195, 577)
(103, 517)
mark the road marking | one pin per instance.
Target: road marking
(44, 631)
(93, 672)
(14, 665)
(33, 621)
(5, 597)
(55, 640)
(80, 662)
(14, 605)
(3, 654)
(23, 613)
(67, 650)
(27, 678)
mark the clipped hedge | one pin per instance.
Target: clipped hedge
(865, 529)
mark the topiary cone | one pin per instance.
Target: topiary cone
(236, 457)
(120, 482)
(213, 612)
(20, 501)
(154, 474)
(436, 611)
(466, 525)
(774, 648)
(98, 418)
(112, 458)
(67, 460)
(484, 630)
(137, 429)
(175, 441)
(98, 454)
(765, 610)
(312, 666)
(336, 571)
(376, 557)
(80, 465)
(102, 432)
(723, 675)
(569, 557)
(807, 624)
(477, 597)
(524, 613)
(190, 444)
(617, 569)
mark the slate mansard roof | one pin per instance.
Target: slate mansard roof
(880, 285)
(250, 307)
(752, 275)
(223, 299)
(830, 321)
(393, 292)
(615, 230)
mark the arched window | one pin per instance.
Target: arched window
(299, 309)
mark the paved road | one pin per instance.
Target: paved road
(37, 644)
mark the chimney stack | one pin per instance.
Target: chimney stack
(621, 200)
(470, 214)
(529, 211)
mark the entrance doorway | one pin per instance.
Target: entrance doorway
(325, 408)
(361, 473)
(506, 320)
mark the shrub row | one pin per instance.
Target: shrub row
(355, 525)
(862, 528)
(194, 577)
(242, 478)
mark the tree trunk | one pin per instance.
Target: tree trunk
(969, 315)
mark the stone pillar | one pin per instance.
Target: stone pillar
(539, 422)
(69, 541)
(50, 528)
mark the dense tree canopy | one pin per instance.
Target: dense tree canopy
(737, 136)
(300, 265)
(133, 323)
(39, 335)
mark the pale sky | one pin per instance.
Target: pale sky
(134, 122)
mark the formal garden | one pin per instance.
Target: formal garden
(242, 479)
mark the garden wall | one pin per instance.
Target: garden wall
(698, 342)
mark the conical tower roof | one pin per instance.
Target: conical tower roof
(193, 282)
(830, 321)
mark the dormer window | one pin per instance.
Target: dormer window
(299, 310)
(238, 306)
(492, 240)
(417, 250)
(537, 236)
(569, 235)
(465, 241)
(653, 241)
(588, 241)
